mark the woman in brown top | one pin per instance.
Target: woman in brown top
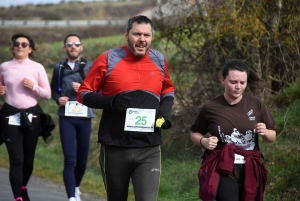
(233, 118)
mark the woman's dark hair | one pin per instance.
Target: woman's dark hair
(140, 19)
(237, 64)
(31, 43)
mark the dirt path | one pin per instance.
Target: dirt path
(39, 189)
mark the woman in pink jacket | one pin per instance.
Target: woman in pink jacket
(23, 81)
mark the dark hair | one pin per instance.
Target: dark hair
(31, 43)
(140, 19)
(237, 64)
(69, 35)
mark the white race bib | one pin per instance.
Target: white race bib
(239, 159)
(16, 119)
(75, 109)
(140, 120)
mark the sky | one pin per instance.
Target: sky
(7, 3)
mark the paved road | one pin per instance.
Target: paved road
(39, 190)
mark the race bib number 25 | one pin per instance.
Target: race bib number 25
(140, 120)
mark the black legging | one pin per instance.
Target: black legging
(141, 165)
(21, 144)
(228, 189)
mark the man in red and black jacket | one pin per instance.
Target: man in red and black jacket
(133, 87)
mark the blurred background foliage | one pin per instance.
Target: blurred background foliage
(197, 37)
(207, 34)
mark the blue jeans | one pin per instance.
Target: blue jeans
(75, 139)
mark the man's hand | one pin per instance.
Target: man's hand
(162, 123)
(63, 100)
(76, 86)
(121, 102)
(159, 122)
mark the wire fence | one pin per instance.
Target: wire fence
(58, 23)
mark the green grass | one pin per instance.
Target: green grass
(179, 180)
(72, 10)
(179, 168)
(49, 157)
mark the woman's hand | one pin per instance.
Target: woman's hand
(261, 129)
(210, 143)
(28, 83)
(268, 135)
(2, 89)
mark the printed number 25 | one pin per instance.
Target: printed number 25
(141, 120)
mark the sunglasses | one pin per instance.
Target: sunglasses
(70, 44)
(17, 44)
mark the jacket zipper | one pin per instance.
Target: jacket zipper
(139, 75)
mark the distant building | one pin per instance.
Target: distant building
(93, 0)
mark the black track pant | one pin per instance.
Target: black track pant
(141, 165)
(21, 145)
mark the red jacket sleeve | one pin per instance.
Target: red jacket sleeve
(88, 92)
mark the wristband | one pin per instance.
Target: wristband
(200, 141)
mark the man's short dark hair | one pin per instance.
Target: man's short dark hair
(69, 35)
(140, 19)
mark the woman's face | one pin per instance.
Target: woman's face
(22, 48)
(235, 84)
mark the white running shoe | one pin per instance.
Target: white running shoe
(77, 194)
(72, 199)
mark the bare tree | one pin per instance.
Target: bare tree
(204, 34)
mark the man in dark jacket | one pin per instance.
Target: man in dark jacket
(74, 118)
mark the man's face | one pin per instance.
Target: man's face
(71, 48)
(139, 39)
